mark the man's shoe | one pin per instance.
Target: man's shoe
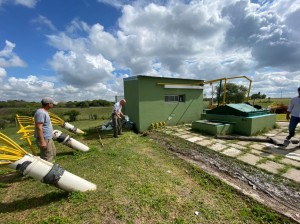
(288, 137)
(115, 136)
(286, 142)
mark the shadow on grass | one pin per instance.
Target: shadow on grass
(94, 133)
(28, 203)
(71, 153)
(11, 177)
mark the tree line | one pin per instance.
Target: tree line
(69, 104)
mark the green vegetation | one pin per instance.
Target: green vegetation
(69, 104)
(138, 181)
(234, 93)
(72, 114)
(265, 103)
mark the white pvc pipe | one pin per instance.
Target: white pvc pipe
(39, 168)
(72, 128)
(71, 142)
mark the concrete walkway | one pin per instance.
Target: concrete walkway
(284, 161)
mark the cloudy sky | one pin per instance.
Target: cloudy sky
(82, 50)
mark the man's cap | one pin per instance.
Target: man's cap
(48, 100)
(298, 88)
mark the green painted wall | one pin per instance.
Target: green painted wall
(146, 101)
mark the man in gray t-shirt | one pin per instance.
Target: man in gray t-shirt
(44, 130)
(294, 111)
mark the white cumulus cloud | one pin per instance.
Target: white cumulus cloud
(8, 58)
(81, 70)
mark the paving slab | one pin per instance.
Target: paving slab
(204, 142)
(259, 150)
(220, 141)
(268, 155)
(237, 146)
(168, 132)
(257, 146)
(244, 143)
(194, 139)
(282, 135)
(293, 174)
(277, 151)
(232, 152)
(256, 152)
(218, 147)
(249, 158)
(271, 166)
(282, 123)
(290, 162)
(271, 134)
(185, 136)
(262, 154)
(293, 155)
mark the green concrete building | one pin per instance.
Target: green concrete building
(152, 100)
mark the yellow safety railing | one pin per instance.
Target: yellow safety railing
(56, 120)
(26, 125)
(9, 150)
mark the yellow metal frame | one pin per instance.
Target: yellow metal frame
(215, 80)
(26, 125)
(56, 120)
(9, 151)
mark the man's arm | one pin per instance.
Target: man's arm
(40, 134)
(289, 110)
(288, 115)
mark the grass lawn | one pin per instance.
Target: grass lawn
(138, 181)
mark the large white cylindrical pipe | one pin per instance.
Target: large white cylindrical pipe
(72, 128)
(49, 173)
(71, 142)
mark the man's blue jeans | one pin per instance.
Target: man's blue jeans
(293, 124)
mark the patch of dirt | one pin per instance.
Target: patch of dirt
(280, 194)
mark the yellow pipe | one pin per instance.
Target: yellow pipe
(10, 157)
(10, 142)
(4, 163)
(224, 95)
(10, 150)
